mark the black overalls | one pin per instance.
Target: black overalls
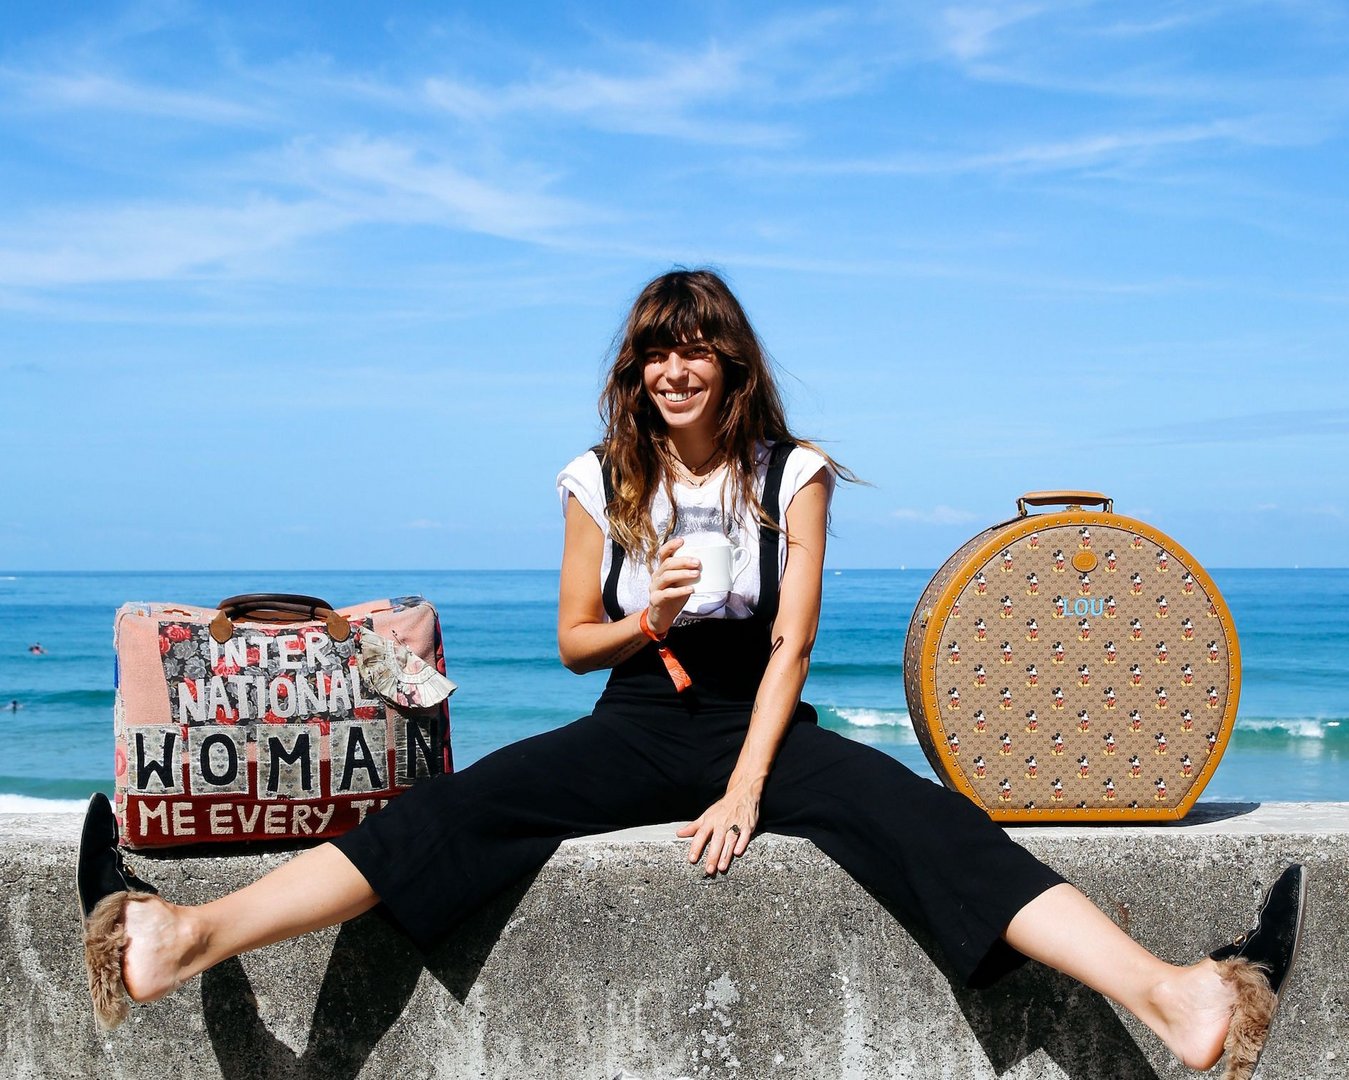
(648, 754)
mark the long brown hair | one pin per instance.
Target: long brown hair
(675, 309)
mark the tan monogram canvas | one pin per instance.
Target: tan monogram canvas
(1075, 665)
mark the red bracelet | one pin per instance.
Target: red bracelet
(645, 624)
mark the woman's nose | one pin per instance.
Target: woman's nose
(674, 364)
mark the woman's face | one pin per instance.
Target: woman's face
(686, 384)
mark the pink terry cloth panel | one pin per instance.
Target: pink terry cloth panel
(145, 694)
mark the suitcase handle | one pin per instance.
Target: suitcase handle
(277, 608)
(1062, 498)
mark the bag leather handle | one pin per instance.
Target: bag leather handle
(1063, 498)
(277, 608)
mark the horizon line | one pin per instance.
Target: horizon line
(12, 572)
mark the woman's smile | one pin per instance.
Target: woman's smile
(680, 397)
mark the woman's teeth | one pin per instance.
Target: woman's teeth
(677, 395)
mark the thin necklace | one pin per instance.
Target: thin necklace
(691, 474)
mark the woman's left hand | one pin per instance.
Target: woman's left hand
(723, 831)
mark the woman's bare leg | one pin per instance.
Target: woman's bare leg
(167, 944)
(1188, 1007)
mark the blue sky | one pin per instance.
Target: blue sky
(283, 287)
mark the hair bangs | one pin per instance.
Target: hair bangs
(677, 312)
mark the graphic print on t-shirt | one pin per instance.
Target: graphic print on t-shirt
(707, 521)
(698, 523)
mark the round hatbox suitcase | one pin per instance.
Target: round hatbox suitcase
(1073, 665)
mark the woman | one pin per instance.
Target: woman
(701, 719)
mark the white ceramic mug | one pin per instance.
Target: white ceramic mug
(721, 562)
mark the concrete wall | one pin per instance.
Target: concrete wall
(620, 957)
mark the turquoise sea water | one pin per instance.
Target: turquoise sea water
(1291, 741)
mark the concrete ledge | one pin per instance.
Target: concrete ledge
(620, 956)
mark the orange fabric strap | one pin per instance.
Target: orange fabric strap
(645, 624)
(678, 675)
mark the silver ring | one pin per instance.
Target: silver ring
(735, 829)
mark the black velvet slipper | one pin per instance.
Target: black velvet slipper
(105, 884)
(1257, 965)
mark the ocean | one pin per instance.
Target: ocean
(1291, 741)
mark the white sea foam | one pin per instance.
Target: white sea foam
(26, 804)
(896, 720)
(1298, 728)
(874, 717)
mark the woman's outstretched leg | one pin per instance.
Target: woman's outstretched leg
(165, 944)
(942, 864)
(1189, 1008)
(432, 856)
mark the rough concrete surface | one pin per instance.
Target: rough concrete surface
(620, 956)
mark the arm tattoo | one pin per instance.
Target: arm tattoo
(619, 655)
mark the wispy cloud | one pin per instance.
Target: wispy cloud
(1095, 149)
(976, 32)
(1086, 151)
(1068, 48)
(412, 184)
(155, 242)
(937, 515)
(355, 181)
(971, 33)
(707, 92)
(1162, 24)
(672, 95)
(97, 91)
(1244, 428)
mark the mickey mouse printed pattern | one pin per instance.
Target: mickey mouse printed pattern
(1073, 665)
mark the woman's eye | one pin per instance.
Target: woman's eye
(686, 353)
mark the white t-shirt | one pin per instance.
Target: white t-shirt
(701, 511)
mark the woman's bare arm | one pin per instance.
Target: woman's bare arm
(586, 641)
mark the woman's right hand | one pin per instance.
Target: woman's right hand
(671, 585)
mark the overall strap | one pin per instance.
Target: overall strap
(611, 605)
(768, 536)
(767, 608)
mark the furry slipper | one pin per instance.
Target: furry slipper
(1251, 1016)
(104, 944)
(1257, 966)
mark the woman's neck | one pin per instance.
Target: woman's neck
(692, 446)
(694, 453)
